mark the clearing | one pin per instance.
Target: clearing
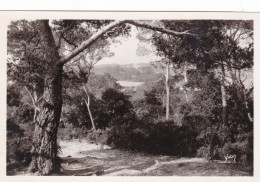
(82, 158)
(79, 157)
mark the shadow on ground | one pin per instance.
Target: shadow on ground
(80, 158)
(113, 162)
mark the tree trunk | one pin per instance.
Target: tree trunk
(224, 95)
(90, 114)
(44, 147)
(185, 81)
(89, 111)
(167, 91)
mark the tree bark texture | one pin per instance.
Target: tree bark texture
(44, 149)
(224, 95)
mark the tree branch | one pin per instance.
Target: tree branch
(88, 42)
(93, 38)
(30, 105)
(32, 37)
(84, 88)
(158, 29)
(39, 99)
(30, 95)
(34, 102)
(62, 34)
(87, 103)
(71, 43)
(76, 74)
(229, 66)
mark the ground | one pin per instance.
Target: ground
(81, 158)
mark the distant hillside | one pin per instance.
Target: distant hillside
(142, 72)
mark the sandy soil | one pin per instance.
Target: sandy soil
(82, 158)
(74, 148)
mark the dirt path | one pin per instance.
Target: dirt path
(86, 159)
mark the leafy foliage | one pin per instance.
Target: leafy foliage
(75, 110)
(19, 129)
(206, 96)
(157, 138)
(115, 105)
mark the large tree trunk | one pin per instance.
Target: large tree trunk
(44, 149)
(167, 91)
(224, 95)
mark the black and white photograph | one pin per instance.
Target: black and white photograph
(130, 96)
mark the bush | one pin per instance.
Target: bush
(18, 150)
(158, 138)
(70, 132)
(18, 145)
(114, 104)
(13, 129)
(120, 133)
(242, 148)
(204, 151)
(98, 136)
(196, 122)
(218, 140)
(212, 140)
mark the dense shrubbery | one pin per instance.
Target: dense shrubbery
(114, 104)
(19, 129)
(201, 131)
(98, 136)
(19, 151)
(18, 144)
(217, 141)
(163, 137)
(70, 132)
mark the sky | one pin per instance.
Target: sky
(125, 52)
